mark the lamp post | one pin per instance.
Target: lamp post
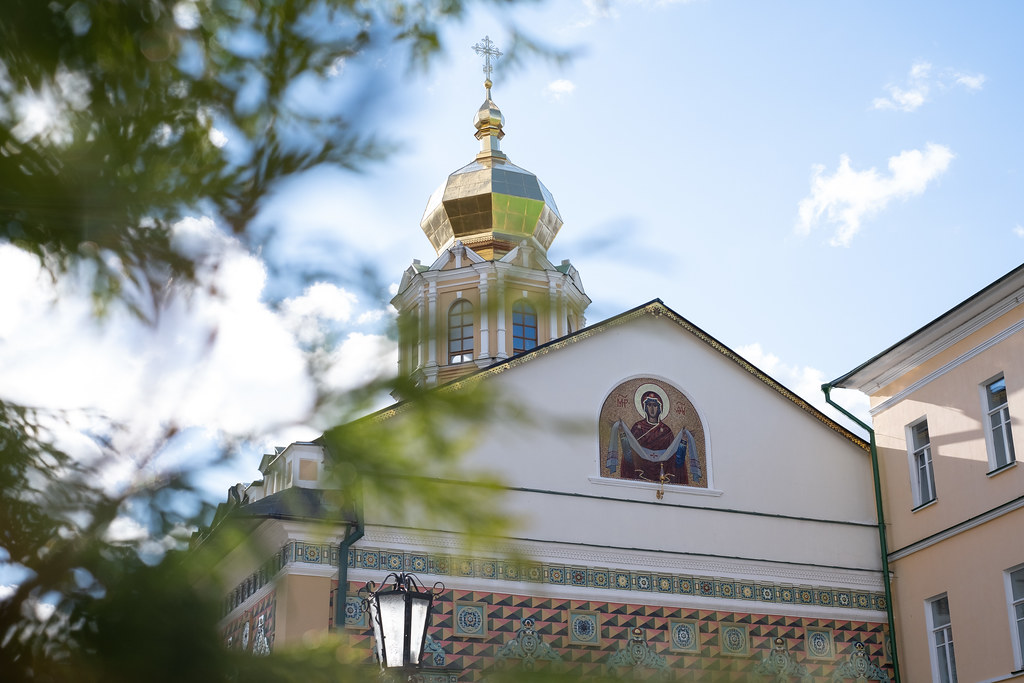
(400, 615)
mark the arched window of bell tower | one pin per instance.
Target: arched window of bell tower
(460, 332)
(524, 327)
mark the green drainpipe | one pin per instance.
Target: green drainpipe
(884, 545)
(352, 534)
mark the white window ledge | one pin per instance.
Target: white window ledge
(1000, 470)
(654, 486)
(928, 504)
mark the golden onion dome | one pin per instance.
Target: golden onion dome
(491, 205)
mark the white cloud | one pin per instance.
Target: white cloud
(847, 197)
(911, 97)
(594, 11)
(560, 88)
(360, 359)
(124, 529)
(322, 300)
(217, 137)
(1018, 230)
(199, 239)
(904, 100)
(375, 315)
(217, 362)
(598, 10)
(218, 358)
(970, 81)
(920, 82)
(311, 315)
(920, 70)
(806, 382)
(46, 112)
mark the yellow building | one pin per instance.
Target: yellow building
(945, 403)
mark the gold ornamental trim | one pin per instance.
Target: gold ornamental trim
(655, 309)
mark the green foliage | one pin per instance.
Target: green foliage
(112, 113)
(113, 121)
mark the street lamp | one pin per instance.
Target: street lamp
(400, 616)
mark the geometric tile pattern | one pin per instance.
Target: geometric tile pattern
(735, 640)
(818, 644)
(684, 636)
(584, 628)
(583, 577)
(702, 661)
(470, 619)
(356, 615)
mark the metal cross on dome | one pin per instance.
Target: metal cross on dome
(488, 49)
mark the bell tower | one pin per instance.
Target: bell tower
(491, 293)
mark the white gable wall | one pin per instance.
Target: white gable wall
(784, 485)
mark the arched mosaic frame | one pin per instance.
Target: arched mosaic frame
(681, 429)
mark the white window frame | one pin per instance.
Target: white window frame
(464, 354)
(912, 453)
(933, 631)
(1016, 637)
(1005, 423)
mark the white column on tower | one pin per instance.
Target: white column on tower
(500, 314)
(432, 329)
(422, 332)
(485, 314)
(553, 308)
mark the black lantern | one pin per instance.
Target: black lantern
(400, 616)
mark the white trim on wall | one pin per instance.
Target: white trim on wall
(1004, 509)
(945, 341)
(666, 562)
(932, 376)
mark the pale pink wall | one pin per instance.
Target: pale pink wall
(969, 569)
(302, 608)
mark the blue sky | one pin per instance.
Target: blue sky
(683, 139)
(807, 181)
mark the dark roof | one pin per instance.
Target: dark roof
(298, 504)
(960, 307)
(295, 503)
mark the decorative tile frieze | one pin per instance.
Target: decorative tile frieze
(554, 574)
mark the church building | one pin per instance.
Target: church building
(681, 514)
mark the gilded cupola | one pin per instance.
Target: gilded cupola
(491, 293)
(491, 205)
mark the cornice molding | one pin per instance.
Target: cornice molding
(956, 530)
(929, 350)
(540, 552)
(307, 569)
(951, 365)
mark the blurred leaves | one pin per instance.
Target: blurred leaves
(118, 119)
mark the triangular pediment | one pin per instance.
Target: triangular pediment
(655, 309)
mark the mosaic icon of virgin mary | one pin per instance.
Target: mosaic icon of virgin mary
(650, 449)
